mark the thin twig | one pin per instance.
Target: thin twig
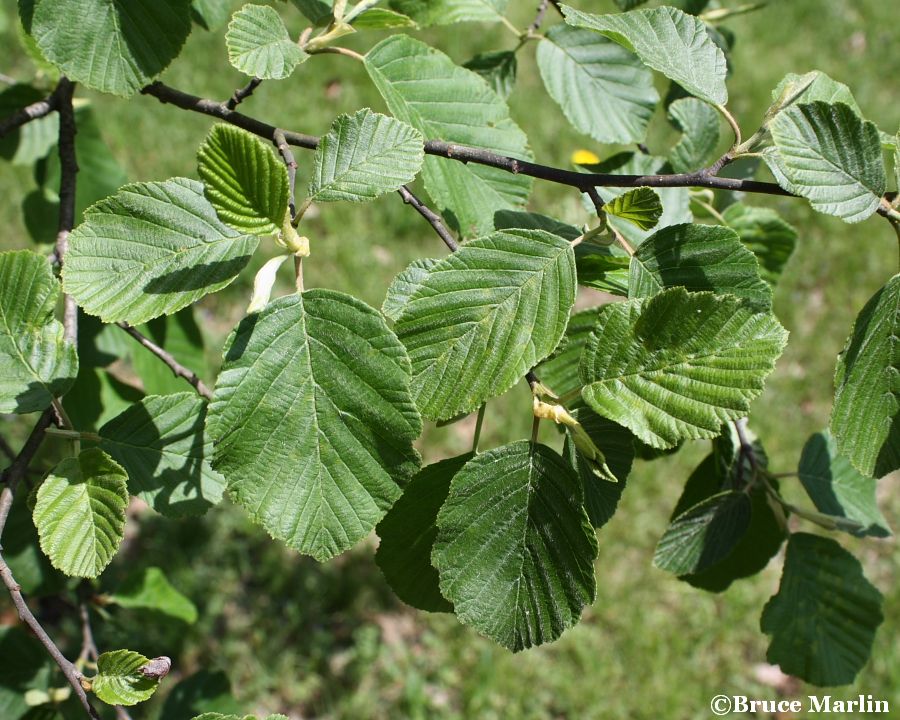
(19, 467)
(596, 199)
(35, 111)
(465, 154)
(539, 18)
(243, 93)
(89, 651)
(432, 217)
(176, 367)
(288, 157)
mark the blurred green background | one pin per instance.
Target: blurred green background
(330, 640)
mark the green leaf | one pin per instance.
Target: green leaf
(316, 11)
(837, 489)
(699, 125)
(447, 12)
(160, 443)
(381, 18)
(811, 87)
(119, 680)
(559, 372)
(615, 442)
(824, 617)
(498, 68)
(484, 316)
(668, 40)
(424, 88)
(515, 549)
(830, 156)
(640, 206)
(244, 180)
(79, 513)
(313, 420)
(625, 5)
(517, 220)
(679, 365)
(363, 156)
(865, 420)
(705, 534)
(698, 257)
(407, 535)
(36, 362)
(766, 234)
(115, 46)
(405, 285)
(259, 44)
(149, 589)
(604, 90)
(151, 249)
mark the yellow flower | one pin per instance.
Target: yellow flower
(584, 157)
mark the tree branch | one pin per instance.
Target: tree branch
(176, 367)
(243, 93)
(288, 157)
(36, 110)
(539, 18)
(432, 217)
(465, 154)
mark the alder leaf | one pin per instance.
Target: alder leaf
(699, 125)
(837, 488)
(36, 362)
(405, 285)
(604, 90)
(865, 420)
(119, 680)
(160, 443)
(766, 234)
(515, 549)
(312, 420)
(447, 12)
(667, 40)
(151, 249)
(424, 88)
(830, 156)
(698, 257)
(149, 589)
(679, 365)
(259, 44)
(640, 207)
(407, 536)
(704, 534)
(381, 18)
(484, 316)
(363, 156)
(244, 180)
(824, 616)
(79, 513)
(116, 46)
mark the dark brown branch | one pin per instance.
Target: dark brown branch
(36, 110)
(432, 217)
(16, 472)
(68, 174)
(288, 157)
(465, 154)
(243, 93)
(597, 200)
(176, 367)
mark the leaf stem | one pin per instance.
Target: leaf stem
(736, 129)
(337, 50)
(479, 421)
(298, 273)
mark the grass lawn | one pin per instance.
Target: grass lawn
(331, 641)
